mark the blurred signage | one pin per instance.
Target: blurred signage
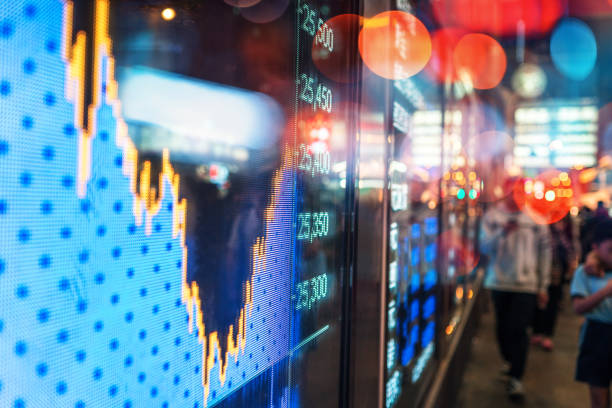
(556, 134)
(427, 136)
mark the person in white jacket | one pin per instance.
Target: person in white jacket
(518, 274)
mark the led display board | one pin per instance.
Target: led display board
(131, 279)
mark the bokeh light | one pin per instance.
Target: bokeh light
(500, 17)
(443, 42)
(265, 11)
(480, 60)
(573, 49)
(242, 3)
(168, 14)
(333, 50)
(546, 198)
(529, 80)
(394, 44)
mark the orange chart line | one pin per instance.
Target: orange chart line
(146, 202)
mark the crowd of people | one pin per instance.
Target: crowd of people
(529, 265)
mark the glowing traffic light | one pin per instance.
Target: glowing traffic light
(461, 194)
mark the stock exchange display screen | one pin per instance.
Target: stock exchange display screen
(412, 272)
(171, 209)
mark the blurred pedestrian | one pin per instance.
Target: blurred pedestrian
(601, 211)
(589, 220)
(592, 297)
(563, 261)
(518, 274)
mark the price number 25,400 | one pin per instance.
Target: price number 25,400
(321, 98)
(310, 292)
(312, 161)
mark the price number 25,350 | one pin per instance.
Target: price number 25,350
(312, 225)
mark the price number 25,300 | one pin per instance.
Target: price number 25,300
(310, 292)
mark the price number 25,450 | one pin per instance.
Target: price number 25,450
(321, 98)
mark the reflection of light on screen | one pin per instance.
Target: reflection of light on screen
(393, 389)
(427, 136)
(198, 112)
(407, 88)
(422, 362)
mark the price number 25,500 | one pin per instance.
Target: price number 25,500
(314, 25)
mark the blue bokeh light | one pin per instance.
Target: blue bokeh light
(573, 49)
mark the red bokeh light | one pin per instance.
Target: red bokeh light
(213, 171)
(333, 48)
(502, 17)
(443, 43)
(394, 44)
(480, 59)
(546, 198)
(318, 128)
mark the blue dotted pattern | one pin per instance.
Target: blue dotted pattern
(90, 306)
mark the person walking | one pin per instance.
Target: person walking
(592, 297)
(518, 275)
(563, 261)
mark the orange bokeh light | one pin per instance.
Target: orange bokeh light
(443, 43)
(481, 60)
(547, 198)
(333, 47)
(394, 44)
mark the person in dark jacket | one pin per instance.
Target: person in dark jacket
(563, 260)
